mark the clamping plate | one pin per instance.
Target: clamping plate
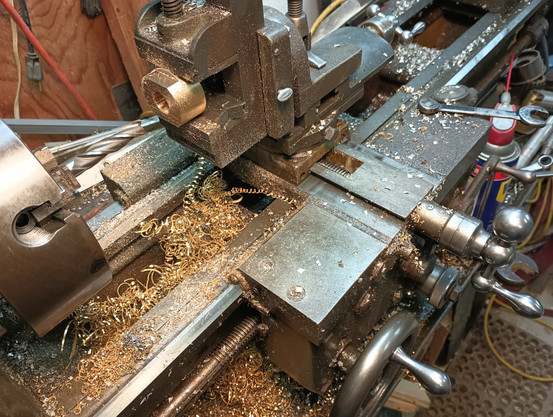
(51, 262)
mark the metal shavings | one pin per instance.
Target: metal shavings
(403, 5)
(209, 219)
(462, 57)
(252, 386)
(409, 61)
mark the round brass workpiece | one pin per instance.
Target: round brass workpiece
(172, 98)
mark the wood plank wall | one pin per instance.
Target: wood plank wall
(83, 48)
(121, 15)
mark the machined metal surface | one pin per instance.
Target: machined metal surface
(338, 265)
(379, 223)
(462, 234)
(543, 98)
(432, 379)
(278, 92)
(194, 386)
(150, 165)
(311, 270)
(439, 285)
(379, 180)
(122, 401)
(512, 225)
(460, 63)
(117, 234)
(221, 37)
(442, 147)
(497, 36)
(507, 274)
(43, 289)
(347, 11)
(523, 304)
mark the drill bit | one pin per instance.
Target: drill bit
(113, 143)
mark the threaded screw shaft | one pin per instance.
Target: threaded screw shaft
(295, 8)
(172, 8)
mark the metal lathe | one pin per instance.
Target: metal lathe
(331, 206)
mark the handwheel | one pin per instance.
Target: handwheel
(379, 369)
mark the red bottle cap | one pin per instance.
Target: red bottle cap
(503, 130)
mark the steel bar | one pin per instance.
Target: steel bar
(61, 127)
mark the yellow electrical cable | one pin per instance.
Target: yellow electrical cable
(537, 193)
(496, 353)
(538, 220)
(550, 214)
(330, 8)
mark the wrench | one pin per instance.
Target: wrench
(544, 162)
(524, 114)
(507, 274)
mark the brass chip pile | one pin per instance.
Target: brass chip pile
(251, 386)
(210, 217)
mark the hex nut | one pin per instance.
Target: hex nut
(172, 98)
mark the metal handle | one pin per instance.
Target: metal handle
(418, 28)
(510, 225)
(527, 177)
(432, 379)
(406, 37)
(373, 378)
(373, 10)
(523, 304)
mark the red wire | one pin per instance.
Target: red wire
(32, 38)
(510, 72)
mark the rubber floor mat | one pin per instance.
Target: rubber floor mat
(484, 387)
